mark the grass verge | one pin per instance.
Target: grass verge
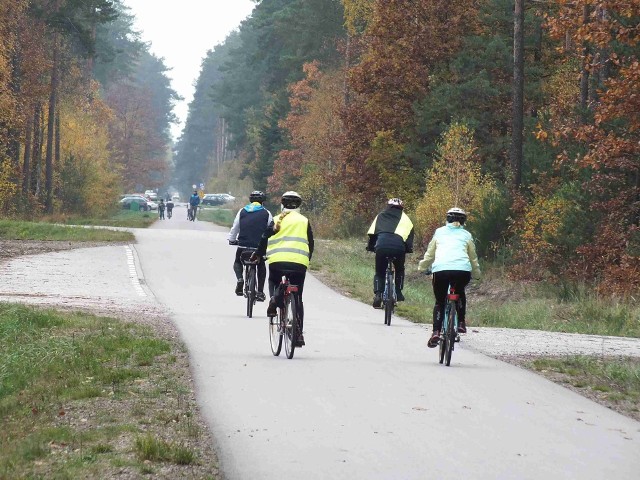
(493, 302)
(613, 382)
(220, 216)
(123, 218)
(90, 397)
(19, 230)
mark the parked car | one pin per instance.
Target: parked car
(152, 205)
(151, 195)
(227, 197)
(213, 199)
(175, 197)
(142, 203)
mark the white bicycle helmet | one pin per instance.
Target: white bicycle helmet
(291, 200)
(456, 214)
(395, 202)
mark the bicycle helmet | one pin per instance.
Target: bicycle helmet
(291, 200)
(456, 214)
(257, 196)
(395, 202)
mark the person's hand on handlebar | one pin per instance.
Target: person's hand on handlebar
(254, 257)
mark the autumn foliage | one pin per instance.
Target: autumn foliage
(60, 151)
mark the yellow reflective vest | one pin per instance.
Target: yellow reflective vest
(290, 243)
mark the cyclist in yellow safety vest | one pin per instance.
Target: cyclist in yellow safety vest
(288, 244)
(390, 235)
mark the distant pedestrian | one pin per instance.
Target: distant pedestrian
(161, 207)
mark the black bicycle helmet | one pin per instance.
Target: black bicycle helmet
(291, 200)
(456, 215)
(257, 196)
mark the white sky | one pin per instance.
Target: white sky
(181, 31)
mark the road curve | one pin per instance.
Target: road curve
(361, 400)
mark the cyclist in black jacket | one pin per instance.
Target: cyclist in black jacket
(250, 222)
(390, 234)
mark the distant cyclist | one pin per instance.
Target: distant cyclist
(194, 201)
(246, 232)
(161, 207)
(288, 243)
(169, 208)
(390, 235)
(451, 256)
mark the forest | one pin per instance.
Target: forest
(525, 113)
(85, 108)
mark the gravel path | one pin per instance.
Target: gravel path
(500, 342)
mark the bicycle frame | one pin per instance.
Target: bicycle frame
(250, 279)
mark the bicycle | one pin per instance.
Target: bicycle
(449, 332)
(250, 279)
(191, 212)
(285, 327)
(169, 213)
(389, 296)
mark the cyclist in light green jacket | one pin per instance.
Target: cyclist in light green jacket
(451, 257)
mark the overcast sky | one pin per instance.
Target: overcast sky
(181, 31)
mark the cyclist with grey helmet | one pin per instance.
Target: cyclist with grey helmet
(451, 257)
(246, 232)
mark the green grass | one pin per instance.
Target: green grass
(19, 230)
(151, 448)
(615, 380)
(220, 216)
(494, 301)
(124, 218)
(58, 368)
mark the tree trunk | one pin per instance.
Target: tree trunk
(584, 76)
(347, 66)
(517, 120)
(37, 151)
(53, 99)
(26, 164)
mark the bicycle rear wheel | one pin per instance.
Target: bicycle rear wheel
(291, 329)
(442, 344)
(450, 335)
(275, 334)
(250, 290)
(388, 300)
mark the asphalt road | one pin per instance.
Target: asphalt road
(362, 400)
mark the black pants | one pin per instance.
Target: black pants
(296, 273)
(458, 279)
(381, 270)
(238, 269)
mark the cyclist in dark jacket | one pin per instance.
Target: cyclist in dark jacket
(250, 222)
(390, 234)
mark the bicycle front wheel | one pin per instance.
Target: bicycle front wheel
(291, 328)
(250, 291)
(275, 334)
(450, 335)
